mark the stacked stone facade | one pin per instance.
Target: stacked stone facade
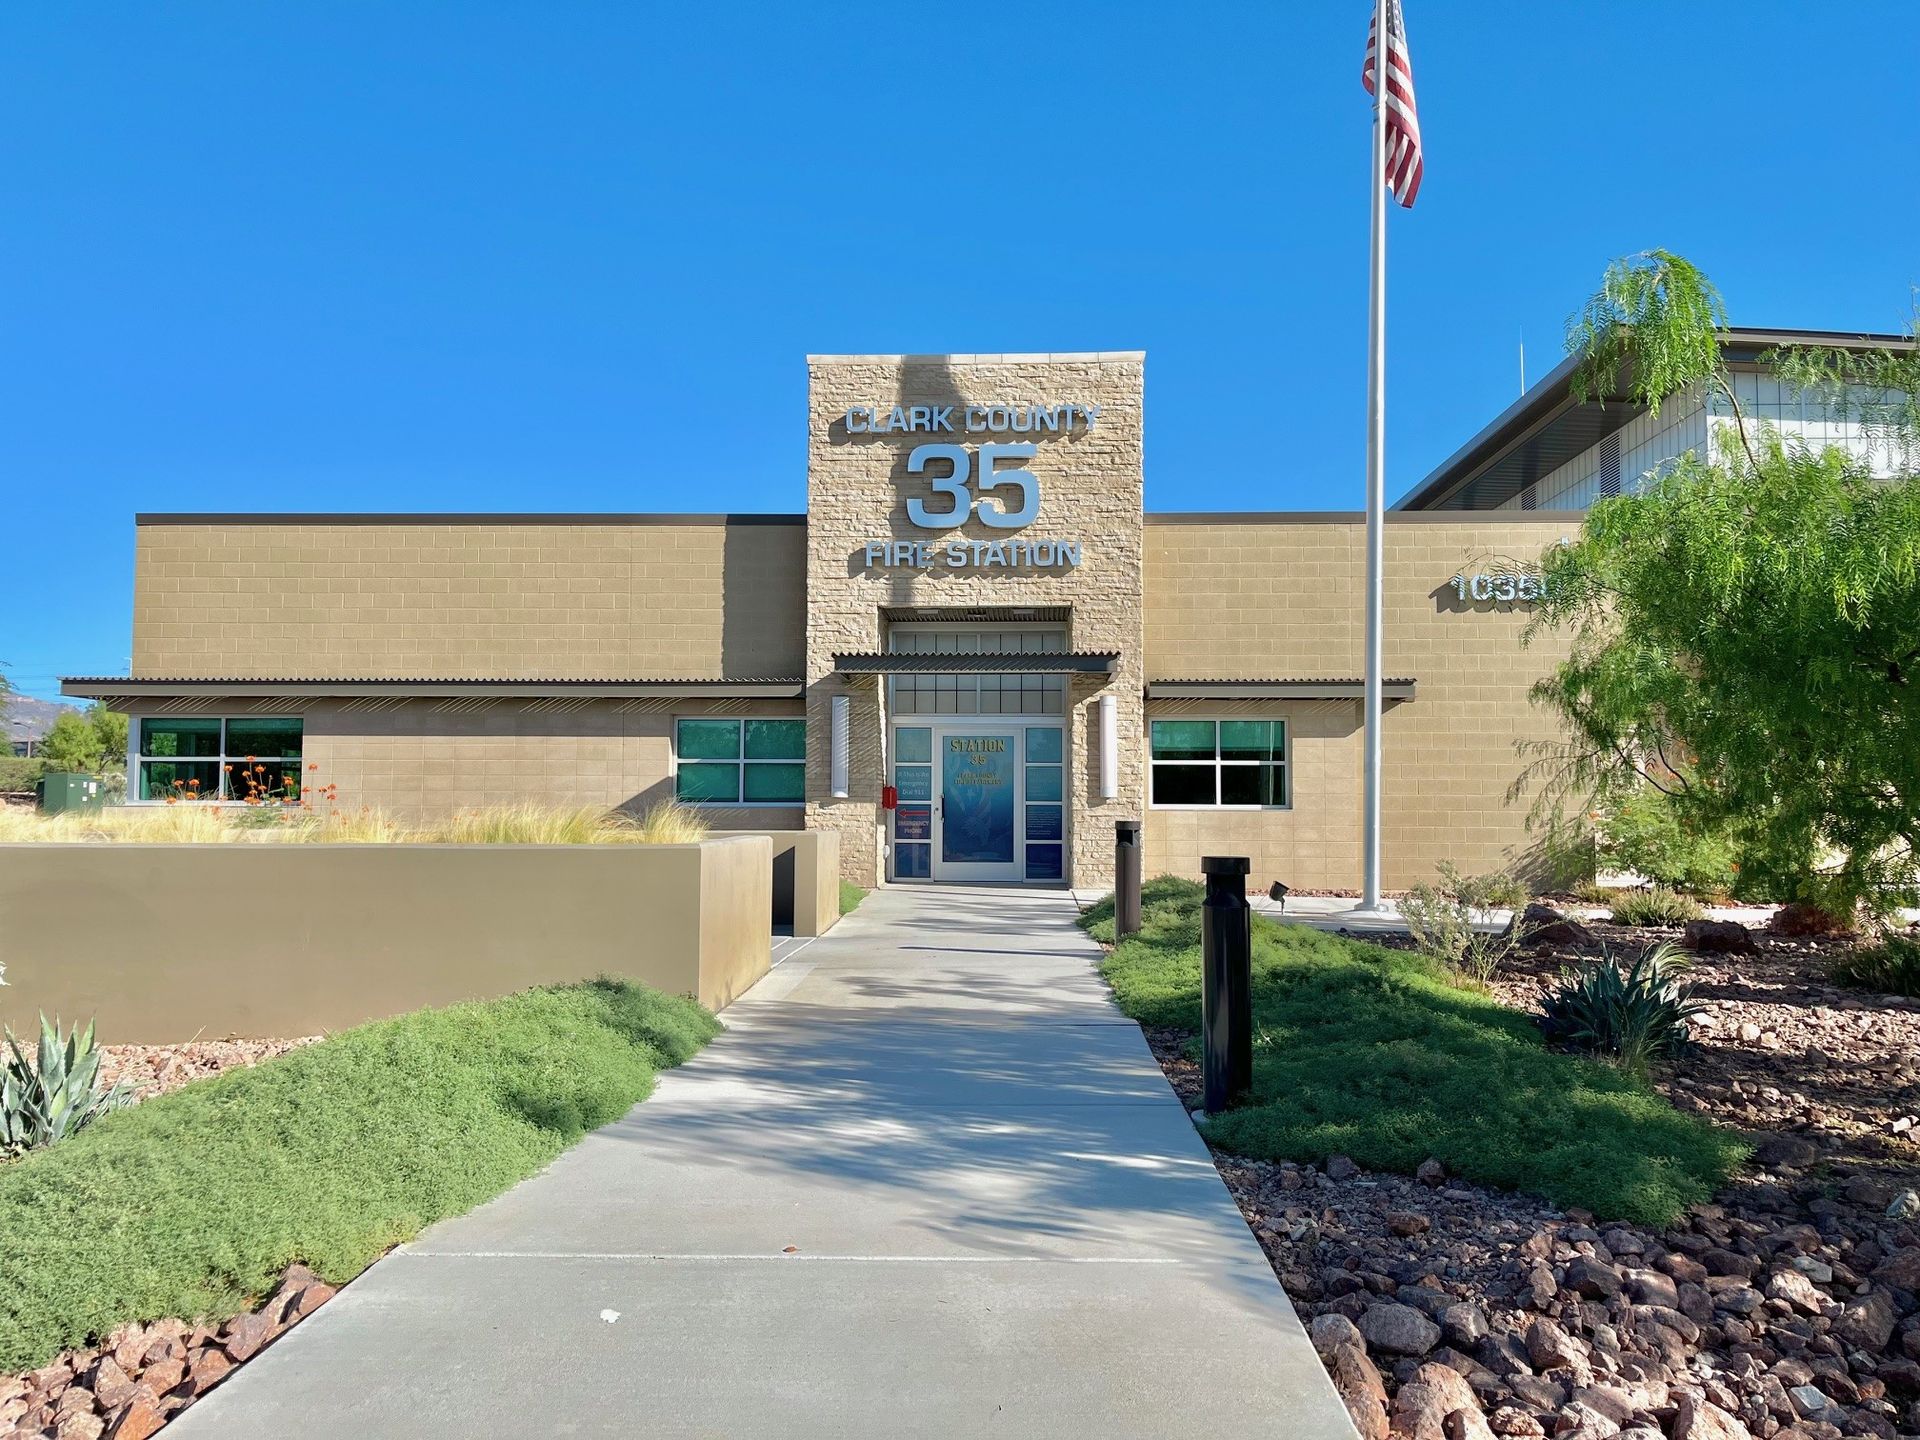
(1090, 486)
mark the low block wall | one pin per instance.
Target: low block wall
(164, 943)
(806, 877)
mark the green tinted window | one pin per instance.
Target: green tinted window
(775, 784)
(264, 737)
(709, 739)
(1183, 739)
(1245, 739)
(776, 740)
(708, 782)
(180, 737)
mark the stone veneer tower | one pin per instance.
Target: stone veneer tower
(1090, 492)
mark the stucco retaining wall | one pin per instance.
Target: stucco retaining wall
(163, 943)
(806, 877)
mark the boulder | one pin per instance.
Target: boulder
(1867, 1322)
(1651, 1287)
(245, 1334)
(137, 1419)
(1512, 1421)
(1463, 1325)
(1408, 1223)
(1591, 1278)
(1801, 920)
(1719, 937)
(1900, 1269)
(1329, 1332)
(1543, 925)
(1782, 1149)
(1360, 1389)
(1431, 1173)
(1696, 1418)
(1551, 1348)
(1797, 1290)
(1394, 1329)
(1582, 1422)
(1341, 1167)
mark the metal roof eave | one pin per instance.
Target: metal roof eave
(100, 687)
(1398, 689)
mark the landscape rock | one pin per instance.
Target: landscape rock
(1797, 1290)
(1396, 1329)
(1718, 937)
(137, 1419)
(1340, 1167)
(1543, 925)
(1786, 1150)
(1360, 1389)
(1431, 1173)
(1867, 1323)
(1696, 1418)
(245, 1334)
(1591, 1278)
(1551, 1348)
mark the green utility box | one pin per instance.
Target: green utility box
(61, 793)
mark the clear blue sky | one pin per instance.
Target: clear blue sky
(529, 256)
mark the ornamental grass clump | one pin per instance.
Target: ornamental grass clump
(1635, 1016)
(669, 823)
(1656, 907)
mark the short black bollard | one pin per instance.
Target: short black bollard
(1226, 980)
(1126, 878)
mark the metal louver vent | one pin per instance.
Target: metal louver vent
(1610, 465)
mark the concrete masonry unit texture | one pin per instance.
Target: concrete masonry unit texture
(443, 662)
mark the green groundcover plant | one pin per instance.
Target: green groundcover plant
(192, 1203)
(1378, 1054)
(1892, 967)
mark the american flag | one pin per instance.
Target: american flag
(1404, 164)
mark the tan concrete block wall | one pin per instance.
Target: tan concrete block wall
(1314, 843)
(492, 600)
(285, 940)
(425, 758)
(1090, 491)
(1231, 599)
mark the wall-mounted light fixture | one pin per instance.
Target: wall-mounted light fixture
(1109, 749)
(840, 739)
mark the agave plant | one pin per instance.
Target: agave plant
(1635, 1015)
(48, 1095)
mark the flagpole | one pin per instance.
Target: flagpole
(1376, 462)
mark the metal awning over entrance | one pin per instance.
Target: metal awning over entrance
(1056, 662)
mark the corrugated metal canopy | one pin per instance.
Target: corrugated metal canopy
(1057, 662)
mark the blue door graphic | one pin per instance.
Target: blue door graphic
(977, 799)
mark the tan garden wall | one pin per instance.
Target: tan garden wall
(806, 877)
(164, 943)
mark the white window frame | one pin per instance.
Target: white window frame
(1218, 764)
(742, 762)
(135, 759)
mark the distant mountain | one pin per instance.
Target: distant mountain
(24, 718)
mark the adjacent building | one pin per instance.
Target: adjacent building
(970, 656)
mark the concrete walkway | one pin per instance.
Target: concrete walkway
(930, 1182)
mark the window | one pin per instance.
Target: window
(1025, 693)
(1221, 764)
(740, 762)
(246, 757)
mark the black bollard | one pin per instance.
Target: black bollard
(1126, 878)
(1226, 980)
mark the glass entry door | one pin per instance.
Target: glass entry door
(979, 800)
(977, 806)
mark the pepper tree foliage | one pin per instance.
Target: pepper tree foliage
(1746, 631)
